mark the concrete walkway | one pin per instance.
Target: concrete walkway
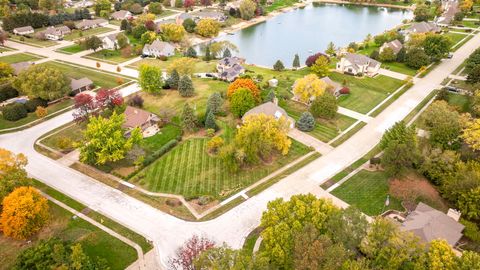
(308, 140)
(393, 74)
(354, 114)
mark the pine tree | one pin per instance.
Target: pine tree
(210, 121)
(306, 122)
(296, 61)
(278, 66)
(227, 53)
(330, 49)
(271, 96)
(185, 86)
(173, 79)
(207, 56)
(191, 52)
(189, 119)
(123, 25)
(214, 103)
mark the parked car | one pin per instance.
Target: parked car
(450, 55)
(452, 89)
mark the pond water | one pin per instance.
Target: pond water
(309, 30)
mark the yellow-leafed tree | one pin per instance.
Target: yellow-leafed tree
(471, 134)
(172, 32)
(308, 88)
(25, 211)
(208, 28)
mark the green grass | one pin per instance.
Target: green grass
(19, 57)
(4, 124)
(167, 133)
(279, 4)
(390, 100)
(400, 68)
(349, 134)
(74, 134)
(33, 41)
(100, 79)
(462, 103)
(72, 49)
(454, 37)
(462, 43)
(470, 24)
(189, 171)
(367, 191)
(366, 92)
(200, 66)
(76, 34)
(109, 56)
(165, 13)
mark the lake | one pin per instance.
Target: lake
(309, 30)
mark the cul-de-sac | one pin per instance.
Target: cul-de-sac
(240, 134)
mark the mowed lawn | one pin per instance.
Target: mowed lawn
(400, 68)
(109, 56)
(33, 41)
(72, 49)
(200, 65)
(365, 92)
(95, 242)
(99, 78)
(189, 171)
(76, 34)
(368, 191)
(19, 57)
(455, 37)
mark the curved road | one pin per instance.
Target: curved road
(168, 232)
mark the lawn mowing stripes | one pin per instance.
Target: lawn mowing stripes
(204, 161)
(155, 169)
(183, 165)
(189, 167)
(175, 171)
(198, 152)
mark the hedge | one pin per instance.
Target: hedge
(14, 112)
(160, 152)
(7, 92)
(32, 104)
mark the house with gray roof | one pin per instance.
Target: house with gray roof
(20, 66)
(158, 48)
(110, 42)
(421, 28)
(450, 8)
(272, 109)
(56, 33)
(25, 30)
(395, 45)
(230, 68)
(121, 15)
(358, 64)
(80, 85)
(215, 15)
(429, 224)
(89, 24)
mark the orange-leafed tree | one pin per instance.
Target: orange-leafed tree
(244, 83)
(25, 211)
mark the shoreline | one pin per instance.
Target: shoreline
(410, 7)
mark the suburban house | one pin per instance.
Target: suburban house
(20, 66)
(158, 48)
(110, 42)
(56, 33)
(421, 27)
(89, 24)
(146, 121)
(395, 45)
(233, 5)
(80, 85)
(333, 87)
(450, 8)
(215, 15)
(21, 31)
(358, 64)
(182, 17)
(429, 224)
(272, 109)
(229, 68)
(121, 15)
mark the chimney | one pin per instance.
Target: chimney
(454, 214)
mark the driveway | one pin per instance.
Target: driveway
(308, 140)
(168, 232)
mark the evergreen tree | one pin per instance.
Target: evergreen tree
(306, 122)
(214, 103)
(208, 55)
(124, 25)
(210, 121)
(173, 79)
(227, 53)
(278, 66)
(271, 96)
(191, 52)
(296, 61)
(330, 49)
(189, 120)
(185, 86)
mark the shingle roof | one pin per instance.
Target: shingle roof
(334, 86)
(80, 83)
(23, 29)
(423, 27)
(268, 108)
(135, 117)
(361, 60)
(430, 224)
(119, 14)
(395, 45)
(230, 61)
(20, 66)
(159, 46)
(61, 30)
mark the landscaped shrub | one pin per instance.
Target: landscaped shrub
(344, 91)
(312, 58)
(41, 112)
(32, 104)
(214, 144)
(306, 122)
(136, 101)
(14, 112)
(160, 152)
(7, 92)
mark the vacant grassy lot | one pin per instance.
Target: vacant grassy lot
(200, 66)
(19, 57)
(33, 41)
(188, 170)
(366, 92)
(100, 79)
(95, 242)
(325, 130)
(72, 49)
(367, 191)
(109, 56)
(76, 34)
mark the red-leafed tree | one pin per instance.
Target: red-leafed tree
(150, 25)
(188, 3)
(190, 250)
(312, 58)
(206, 2)
(109, 98)
(85, 105)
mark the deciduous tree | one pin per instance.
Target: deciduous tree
(150, 78)
(191, 249)
(208, 28)
(189, 25)
(241, 102)
(308, 88)
(84, 105)
(43, 82)
(471, 134)
(247, 9)
(437, 46)
(321, 67)
(172, 32)
(443, 124)
(324, 106)
(244, 83)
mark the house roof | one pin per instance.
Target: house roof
(120, 14)
(360, 60)
(232, 72)
(112, 37)
(20, 66)
(166, 22)
(269, 108)
(334, 86)
(430, 224)
(184, 16)
(451, 8)
(209, 14)
(160, 46)
(89, 23)
(423, 27)
(80, 83)
(395, 45)
(61, 30)
(23, 29)
(135, 117)
(230, 61)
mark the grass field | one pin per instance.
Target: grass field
(109, 56)
(188, 170)
(33, 41)
(279, 4)
(367, 191)
(366, 92)
(76, 34)
(74, 134)
(200, 66)
(19, 57)
(400, 68)
(454, 37)
(72, 49)
(461, 102)
(99, 78)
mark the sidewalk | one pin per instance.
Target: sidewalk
(321, 147)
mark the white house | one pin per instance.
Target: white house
(88, 24)
(121, 15)
(158, 48)
(358, 64)
(25, 30)
(110, 42)
(395, 45)
(56, 33)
